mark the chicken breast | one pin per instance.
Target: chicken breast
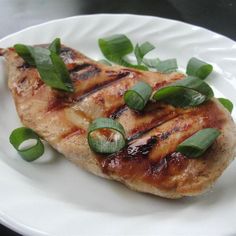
(149, 163)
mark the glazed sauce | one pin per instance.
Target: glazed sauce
(134, 162)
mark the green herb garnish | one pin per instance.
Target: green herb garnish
(198, 143)
(19, 136)
(188, 92)
(227, 104)
(106, 136)
(198, 68)
(137, 97)
(50, 66)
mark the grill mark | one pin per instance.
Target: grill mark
(98, 87)
(73, 67)
(62, 100)
(117, 75)
(59, 101)
(140, 131)
(141, 150)
(67, 54)
(118, 112)
(24, 66)
(138, 151)
(162, 172)
(88, 72)
(27, 85)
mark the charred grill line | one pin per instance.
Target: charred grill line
(88, 72)
(98, 87)
(142, 150)
(67, 54)
(117, 75)
(24, 66)
(79, 67)
(118, 112)
(153, 126)
(66, 100)
(138, 135)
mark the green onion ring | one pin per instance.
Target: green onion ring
(198, 143)
(137, 97)
(188, 92)
(19, 135)
(167, 66)
(198, 68)
(106, 146)
(226, 103)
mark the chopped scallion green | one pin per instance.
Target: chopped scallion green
(137, 97)
(226, 103)
(188, 92)
(19, 136)
(106, 135)
(198, 68)
(198, 143)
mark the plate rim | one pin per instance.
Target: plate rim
(110, 15)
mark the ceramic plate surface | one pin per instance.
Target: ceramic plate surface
(53, 197)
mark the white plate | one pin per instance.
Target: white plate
(54, 197)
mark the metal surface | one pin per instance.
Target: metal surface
(216, 15)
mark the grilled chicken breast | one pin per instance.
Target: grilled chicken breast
(149, 163)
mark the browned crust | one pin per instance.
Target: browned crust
(62, 120)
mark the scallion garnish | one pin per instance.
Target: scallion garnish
(198, 143)
(198, 68)
(152, 62)
(188, 92)
(226, 103)
(50, 66)
(167, 66)
(55, 46)
(19, 136)
(115, 47)
(141, 50)
(26, 53)
(137, 97)
(106, 135)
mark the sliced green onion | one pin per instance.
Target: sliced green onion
(55, 46)
(115, 47)
(137, 97)
(198, 68)
(226, 103)
(198, 143)
(126, 63)
(50, 66)
(167, 66)
(142, 50)
(151, 62)
(105, 62)
(106, 135)
(188, 92)
(59, 74)
(20, 135)
(25, 52)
